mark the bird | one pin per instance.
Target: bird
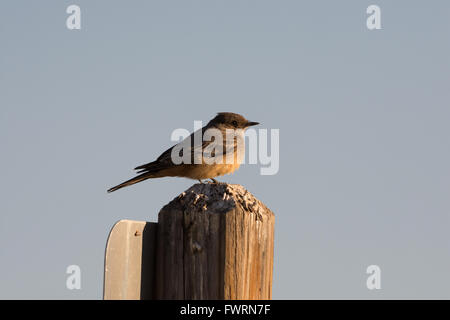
(200, 165)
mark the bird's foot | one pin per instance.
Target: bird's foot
(213, 181)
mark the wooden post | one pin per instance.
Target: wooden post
(213, 241)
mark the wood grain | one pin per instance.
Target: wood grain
(214, 241)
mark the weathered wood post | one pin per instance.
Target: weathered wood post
(213, 241)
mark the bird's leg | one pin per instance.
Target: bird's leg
(214, 180)
(200, 181)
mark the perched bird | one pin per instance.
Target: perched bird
(200, 164)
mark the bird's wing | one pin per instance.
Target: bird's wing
(189, 145)
(196, 151)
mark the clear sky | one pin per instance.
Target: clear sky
(364, 134)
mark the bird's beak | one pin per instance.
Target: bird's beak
(250, 123)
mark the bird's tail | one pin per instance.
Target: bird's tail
(134, 180)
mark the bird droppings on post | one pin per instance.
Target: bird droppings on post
(196, 247)
(203, 196)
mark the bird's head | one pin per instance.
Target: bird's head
(231, 120)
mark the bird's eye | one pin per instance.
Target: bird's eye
(234, 123)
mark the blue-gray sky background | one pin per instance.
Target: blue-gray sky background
(364, 134)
